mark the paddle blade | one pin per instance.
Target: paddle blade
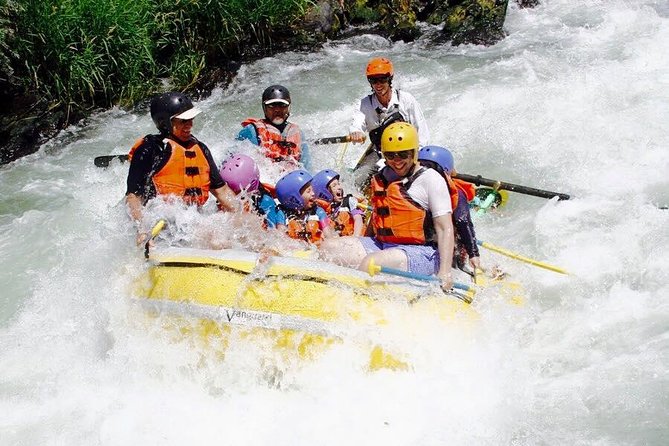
(488, 198)
(332, 140)
(104, 161)
(157, 228)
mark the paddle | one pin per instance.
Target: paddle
(374, 269)
(331, 140)
(513, 255)
(496, 184)
(103, 161)
(154, 233)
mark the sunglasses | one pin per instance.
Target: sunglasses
(378, 80)
(404, 154)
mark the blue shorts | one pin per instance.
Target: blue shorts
(421, 259)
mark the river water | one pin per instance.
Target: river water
(574, 100)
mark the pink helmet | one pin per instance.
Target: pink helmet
(241, 172)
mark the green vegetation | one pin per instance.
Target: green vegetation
(80, 54)
(61, 59)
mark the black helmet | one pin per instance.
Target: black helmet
(275, 93)
(171, 105)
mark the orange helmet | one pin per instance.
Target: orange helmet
(379, 66)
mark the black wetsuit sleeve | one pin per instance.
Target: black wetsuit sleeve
(146, 160)
(214, 174)
(464, 227)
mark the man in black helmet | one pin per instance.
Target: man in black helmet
(279, 139)
(173, 163)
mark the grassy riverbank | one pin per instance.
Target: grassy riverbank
(92, 53)
(62, 59)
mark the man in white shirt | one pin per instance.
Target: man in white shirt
(411, 217)
(380, 109)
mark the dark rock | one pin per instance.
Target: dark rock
(324, 18)
(479, 22)
(398, 20)
(23, 132)
(527, 3)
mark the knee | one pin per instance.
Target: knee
(329, 248)
(364, 263)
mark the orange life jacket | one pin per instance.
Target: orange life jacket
(135, 146)
(341, 218)
(186, 174)
(278, 146)
(396, 217)
(304, 226)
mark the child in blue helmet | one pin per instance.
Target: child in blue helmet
(298, 211)
(345, 216)
(441, 160)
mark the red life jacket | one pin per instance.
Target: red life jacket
(396, 217)
(185, 175)
(269, 188)
(455, 185)
(278, 146)
(468, 188)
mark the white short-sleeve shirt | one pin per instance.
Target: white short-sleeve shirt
(372, 114)
(429, 190)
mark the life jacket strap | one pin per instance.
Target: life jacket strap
(383, 211)
(193, 192)
(384, 232)
(192, 171)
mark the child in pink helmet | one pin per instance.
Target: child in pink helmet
(240, 172)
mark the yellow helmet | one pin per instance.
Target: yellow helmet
(400, 136)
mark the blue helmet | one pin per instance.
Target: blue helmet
(289, 188)
(321, 182)
(439, 155)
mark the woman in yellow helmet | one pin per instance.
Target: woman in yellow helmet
(411, 221)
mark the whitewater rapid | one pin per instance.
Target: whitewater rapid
(575, 100)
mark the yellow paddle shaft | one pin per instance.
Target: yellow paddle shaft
(157, 228)
(513, 255)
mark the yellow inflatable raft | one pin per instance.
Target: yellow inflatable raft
(303, 304)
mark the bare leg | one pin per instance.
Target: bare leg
(392, 258)
(344, 251)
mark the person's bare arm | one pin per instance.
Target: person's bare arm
(443, 226)
(358, 225)
(134, 203)
(226, 198)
